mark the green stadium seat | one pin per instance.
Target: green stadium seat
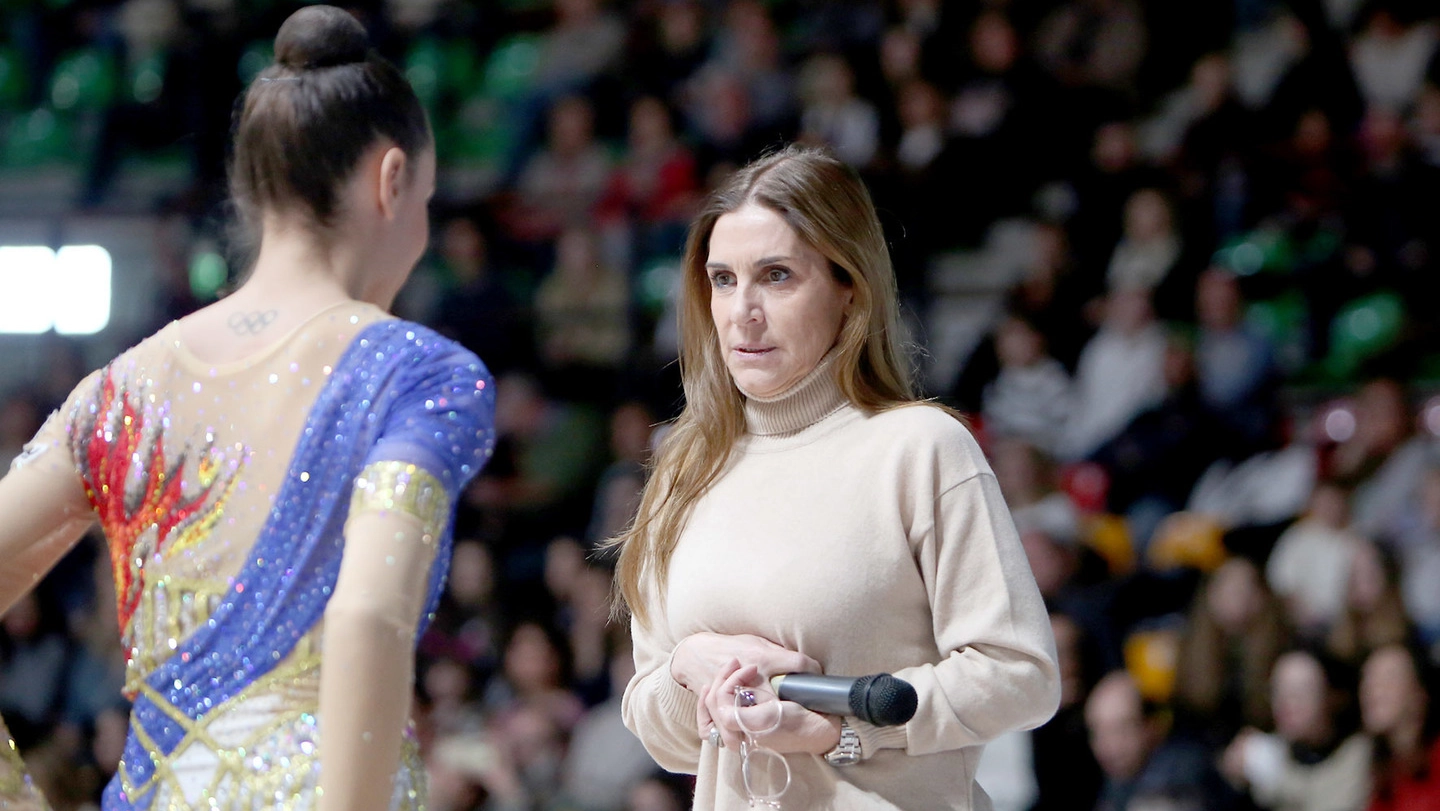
(1259, 251)
(38, 137)
(462, 67)
(478, 132)
(13, 79)
(256, 57)
(1284, 321)
(147, 79)
(425, 68)
(510, 70)
(1363, 329)
(83, 80)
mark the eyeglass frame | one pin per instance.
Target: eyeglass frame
(744, 698)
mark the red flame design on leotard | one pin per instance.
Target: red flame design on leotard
(164, 517)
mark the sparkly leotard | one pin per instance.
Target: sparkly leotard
(224, 492)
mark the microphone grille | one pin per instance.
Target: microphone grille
(883, 700)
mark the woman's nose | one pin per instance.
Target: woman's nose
(746, 307)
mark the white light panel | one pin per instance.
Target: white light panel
(42, 289)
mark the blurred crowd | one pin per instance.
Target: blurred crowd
(1201, 378)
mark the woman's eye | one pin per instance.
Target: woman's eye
(778, 274)
(721, 279)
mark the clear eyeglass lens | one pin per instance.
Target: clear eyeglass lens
(766, 774)
(757, 711)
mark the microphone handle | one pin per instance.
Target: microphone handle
(827, 694)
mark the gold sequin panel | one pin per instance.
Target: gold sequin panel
(407, 488)
(168, 612)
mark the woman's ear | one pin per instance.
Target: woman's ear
(394, 176)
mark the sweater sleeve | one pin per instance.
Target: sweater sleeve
(998, 672)
(657, 708)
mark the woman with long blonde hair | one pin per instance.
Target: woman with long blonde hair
(807, 513)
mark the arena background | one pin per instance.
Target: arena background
(1176, 261)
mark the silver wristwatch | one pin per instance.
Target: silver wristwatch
(847, 752)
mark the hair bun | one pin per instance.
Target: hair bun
(320, 37)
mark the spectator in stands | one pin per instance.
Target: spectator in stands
(722, 117)
(1100, 189)
(95, 669)
(1120, 374)
(560, 185)
(476, 309)
(661, 792)
(1393, 202)
(1233, 635)
(1143, 763)
(582, 316)
(1316, 760)
(1094, 43)
(900, 52)
(582, 613)
(585, 42)
(617, 496)
(912, 184)
(1425, 125)
(33, 655)
(1006, 772)
(747, 46)
(1155, 460)
(1000, 104)
(21, 415)
(1031, 397)
(1391, 54)
(523, 771)
(1310, 564)
(540, 484)
(833, 116)
(1028, 480)
(1374, 612)
(535, 674)
(1150, 254)
(671, 50)
(1234, 362)
(1416, 542)
(461, 648)
(606, 762)
(655, 187)
(1398, 708)
(1384, 460)
(920, 108)
(1065, 769)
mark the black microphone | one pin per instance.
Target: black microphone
(881, 699)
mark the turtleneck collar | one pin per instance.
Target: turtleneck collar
(809, 401)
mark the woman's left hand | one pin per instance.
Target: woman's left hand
(800, 730)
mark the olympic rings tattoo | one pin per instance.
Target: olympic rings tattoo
(251, 323)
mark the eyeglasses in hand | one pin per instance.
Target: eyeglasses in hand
(765, 771)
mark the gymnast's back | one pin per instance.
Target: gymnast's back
(275, 475)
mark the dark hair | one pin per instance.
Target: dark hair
(306, 120)
(1385, 761)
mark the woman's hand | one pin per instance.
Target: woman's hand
(799, 731)
(699, 657)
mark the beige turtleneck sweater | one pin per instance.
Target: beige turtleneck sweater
(873, 544)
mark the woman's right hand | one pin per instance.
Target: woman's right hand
(795, 730)
(699, 657)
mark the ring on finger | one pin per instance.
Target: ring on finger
(714, 738)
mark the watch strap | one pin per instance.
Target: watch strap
(848, 751)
